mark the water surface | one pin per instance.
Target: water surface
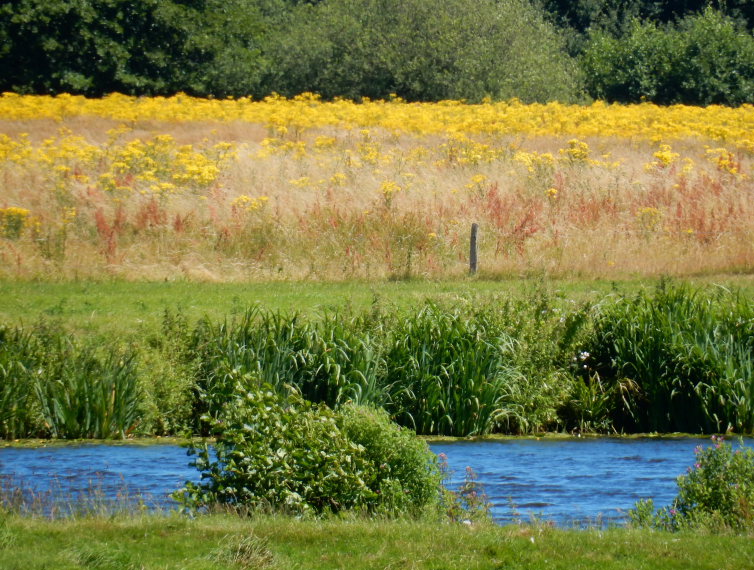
(568, 481)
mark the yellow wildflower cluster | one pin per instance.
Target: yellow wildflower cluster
(12, 222)
(388, 189)
(664, 157)
(577, 151)
(535, 163)
(163, 166)
(724, 160)
(155, 166)
(649, 218)
(464, 151)
(244, 203)
(285, 116)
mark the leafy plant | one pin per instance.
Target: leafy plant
(717, 493)
(702, 59)
(51, 385)
(446, 372)
(287, 454)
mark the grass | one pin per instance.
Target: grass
(128, 308)
(219, 541)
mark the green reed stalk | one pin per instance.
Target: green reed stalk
(689, 354)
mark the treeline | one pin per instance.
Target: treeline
(692, 51)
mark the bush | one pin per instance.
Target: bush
(287, 454)
(717, 493)
(94, 47)
(701, 60)
(404, 472)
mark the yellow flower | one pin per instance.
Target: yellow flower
(12, 221)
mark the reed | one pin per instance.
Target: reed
(17, 359)
(447, 372)
(687, 355)
(332, 360)
(53, 386)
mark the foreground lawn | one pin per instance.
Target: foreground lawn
(229, 542)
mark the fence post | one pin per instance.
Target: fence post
(473, 249)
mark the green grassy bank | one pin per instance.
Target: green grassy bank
(214, 542)
(116, 359)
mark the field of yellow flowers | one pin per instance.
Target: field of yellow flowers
(155, 188)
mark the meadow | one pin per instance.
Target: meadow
(160, 257)
(301, 189)
(126, 222)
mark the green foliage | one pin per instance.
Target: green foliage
(83, 395)
(52, 386)
(290, 455)
(17, 373)
(716, 494)
(168, 378)
(438, 370)
(679, 360)
(700, 60)
(332, 361)
(404, 475)
(426, 50)
(423, 50)
(446, 372)
(95, 47)
(719, 488)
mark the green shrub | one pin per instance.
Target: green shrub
(719, 489)
(287, 454)
(717, 493)
(404, 472)
(701, 60)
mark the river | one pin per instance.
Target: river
(571, 482)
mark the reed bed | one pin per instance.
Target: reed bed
(55, 386)
(676, 359)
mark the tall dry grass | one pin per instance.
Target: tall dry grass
(84, 197)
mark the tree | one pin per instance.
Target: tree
(423, 50)
(149, 47)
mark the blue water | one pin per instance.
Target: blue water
(569, 482)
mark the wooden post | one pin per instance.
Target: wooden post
(473, 249)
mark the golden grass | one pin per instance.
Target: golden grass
(308, 190)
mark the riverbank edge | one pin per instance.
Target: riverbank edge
(175, 440)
